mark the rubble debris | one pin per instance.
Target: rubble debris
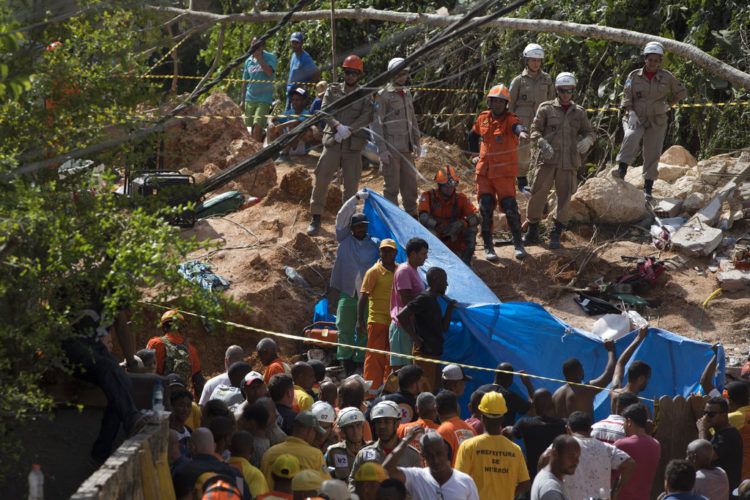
(733, 280)
(697, 238)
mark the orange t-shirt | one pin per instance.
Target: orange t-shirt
(277, 366)
(157, 345)
(455, 431)
(403, 428)
(498, 152)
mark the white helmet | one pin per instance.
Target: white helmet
(565, 79)
(335, 489)
(653, 48)
(350, 415)
(395, 62)
(385, 409)
(533, 51)
(323, 412)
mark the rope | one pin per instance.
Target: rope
(377, 351)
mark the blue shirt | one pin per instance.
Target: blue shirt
(301, 69)
(258, 91)
(353, 257)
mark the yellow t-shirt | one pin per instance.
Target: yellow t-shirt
(496, 464)
(308, 456)
(253, 476)
(740, 417)
(194, 420)
(377, 284)
(302, 398)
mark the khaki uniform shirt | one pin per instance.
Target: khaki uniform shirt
(395, 122)
(562, 130)
(340, 460)
(374, 453)
(651, 98)
(355, 116)
(527, 94)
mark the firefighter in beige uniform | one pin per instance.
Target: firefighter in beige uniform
(344, 138)
(562, 133)
(527, 91)
(647, 97)
(397, 136)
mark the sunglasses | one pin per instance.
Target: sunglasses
(566, 91)
(710, 414)
(350, 72)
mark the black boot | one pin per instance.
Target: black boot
(532, 234)
(554, 237)
(648, 186)
(510, 206)
(622, 169)
(523, 183)
(314, 226)
(489, 247)
(471, 243)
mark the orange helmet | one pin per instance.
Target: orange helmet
(171, 315)
(447, 175)
(499, 91)
(54, 46)
(354, 62)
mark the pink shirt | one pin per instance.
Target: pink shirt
(646, 451)
(405, 278)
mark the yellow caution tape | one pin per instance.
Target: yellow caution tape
(161, 60)
(378, 351)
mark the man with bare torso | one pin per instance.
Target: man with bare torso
(572, 397)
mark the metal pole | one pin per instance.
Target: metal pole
(333, 42)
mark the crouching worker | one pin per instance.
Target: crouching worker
(296, 114)
(496, 163)
(450, 215)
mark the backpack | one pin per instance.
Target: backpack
(177, 359)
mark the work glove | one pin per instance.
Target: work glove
(362, 195)
(475, 160)
(524, 136)
(427, 221)
(343, 131)
(385, 157)
(417, 150)
(546, 152)
(454, 229)
(633, 120)
(584, 144)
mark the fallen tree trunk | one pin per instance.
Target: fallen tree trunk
(684, 50)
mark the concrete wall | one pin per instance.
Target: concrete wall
(121, 475)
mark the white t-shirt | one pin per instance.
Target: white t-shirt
(422, 486)
(211, 385)
(595, 467)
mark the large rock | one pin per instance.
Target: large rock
(611, 201)
(671, 173)
(634, 176)
(677, 155)
(578, 212)
(694, 202)
(662, 189)
(712, 171)
(734, 280)
(685, 186)
(697, 238)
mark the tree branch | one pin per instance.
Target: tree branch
(684, 50)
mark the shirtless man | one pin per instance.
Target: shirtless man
(638, 373)
(570, 398)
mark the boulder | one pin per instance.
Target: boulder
(694, 202)
(697, 238)
(611, 201)
(684, 186)
(671, 173)
(635, 177)
(662, 189)
(712, 171)
(668, 207)
(677, 155)
(578, 212)
(733, 280)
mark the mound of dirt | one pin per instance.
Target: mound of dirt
(436, 154)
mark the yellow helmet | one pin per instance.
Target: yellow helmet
(171, 315)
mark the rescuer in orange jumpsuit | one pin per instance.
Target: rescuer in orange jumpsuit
(497, 166)
(450, 215)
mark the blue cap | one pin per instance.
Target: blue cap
(297, 36)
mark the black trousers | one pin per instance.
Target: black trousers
(94, 363)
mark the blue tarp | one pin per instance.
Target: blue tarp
(486, 332)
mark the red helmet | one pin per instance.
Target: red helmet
(354, 62)
(499, 91)
(53, 46)
(447, 175)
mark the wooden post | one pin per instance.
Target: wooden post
(333, 41)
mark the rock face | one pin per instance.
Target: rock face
(610, 201)
(213, 138)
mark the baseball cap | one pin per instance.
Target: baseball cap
(297, 90)
(307, 419)
(358, 218)
(174, 379)
(493, 405)
(286, 466)
(252, 377)
(306, 480)
(454, 372)
(297, 36)
(388, 243)
(365, 383)
(371, 471)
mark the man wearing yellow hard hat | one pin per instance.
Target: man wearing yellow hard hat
(494, 461)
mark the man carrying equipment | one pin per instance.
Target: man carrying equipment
(450, 215)
(527, 91)
(563, 133)
(343, 141)
(648, 95)
(497, 166)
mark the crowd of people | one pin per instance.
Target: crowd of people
(391, 427)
